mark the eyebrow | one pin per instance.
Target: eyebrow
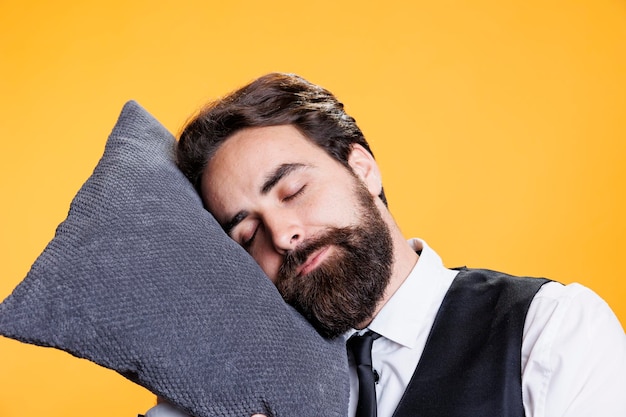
(279, 173)
(237, 218)
(270, 182)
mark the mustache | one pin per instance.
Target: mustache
(337, 236)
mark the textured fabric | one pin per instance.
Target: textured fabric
(473, 355)
(140, 279)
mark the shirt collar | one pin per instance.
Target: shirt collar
(411, 310)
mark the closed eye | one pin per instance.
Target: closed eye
(294, 195)
(247, 243)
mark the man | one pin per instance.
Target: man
(289, 175)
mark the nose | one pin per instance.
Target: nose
(284, 230)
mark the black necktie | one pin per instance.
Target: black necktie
(361, 347)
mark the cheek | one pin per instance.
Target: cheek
(269, 261)
(335, 206)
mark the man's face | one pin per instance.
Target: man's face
(310, 223)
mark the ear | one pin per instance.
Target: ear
(365, 167)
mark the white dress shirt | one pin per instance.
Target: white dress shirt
(573, 349)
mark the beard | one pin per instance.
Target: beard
(344, 290)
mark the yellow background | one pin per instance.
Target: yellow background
(499, 125)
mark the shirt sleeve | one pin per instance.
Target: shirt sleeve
(165, 410)
(573, 355)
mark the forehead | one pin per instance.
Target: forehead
(240, 165)
(269, 141)
(250, 149)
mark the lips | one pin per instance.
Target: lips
(313, 261)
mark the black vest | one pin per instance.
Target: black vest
(471, 365)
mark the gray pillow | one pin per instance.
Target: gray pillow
(141, 279)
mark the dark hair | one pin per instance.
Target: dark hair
(272, 100)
